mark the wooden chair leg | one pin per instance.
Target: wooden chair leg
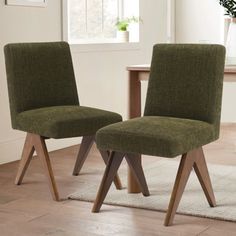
(105, 157)
(201, 170)
(110, 172)
(41, 150)
(26, 157)
(138, 173)
(193, 159)
(183, 173)
(85, 147)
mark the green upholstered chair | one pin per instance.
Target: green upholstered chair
(44, 103)
(182, 113)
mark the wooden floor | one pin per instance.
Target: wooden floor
(29, 210)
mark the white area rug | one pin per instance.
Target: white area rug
(160, 178)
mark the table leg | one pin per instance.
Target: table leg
(134, 111)
(133, 186)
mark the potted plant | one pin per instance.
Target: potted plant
(230, 11)
(122, 28)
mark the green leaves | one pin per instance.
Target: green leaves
(122, 25)
(230, 7)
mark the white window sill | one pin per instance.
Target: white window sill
(105, 46)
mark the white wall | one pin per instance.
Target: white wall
(199, 21)
(101, 75)
(202, 21)
(23, 24)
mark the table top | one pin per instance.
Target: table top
(143, 67)
(146, 68)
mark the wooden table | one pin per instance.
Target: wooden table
(138, 73)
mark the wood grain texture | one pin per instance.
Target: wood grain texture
(193, 159)
(86, 144)
(202, 173)
(41, 150)
(134, 95)
(185, 167)
(136, 167)
(113, 164)
(34, 142)
(105, 157)
(146, 68)
(27, 154)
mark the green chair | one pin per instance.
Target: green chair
(44, 103)
(182, 113)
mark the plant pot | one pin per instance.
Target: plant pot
(231, 43)
(123, 36)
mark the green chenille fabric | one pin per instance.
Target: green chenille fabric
(186, 82)
(183, 103)
(155, 135)
(43, 95)
(39, 75)
(65, 121)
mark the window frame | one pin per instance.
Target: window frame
(117, 46)
(65, 26)
(42, 3)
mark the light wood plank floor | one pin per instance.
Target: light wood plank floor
(29, 210)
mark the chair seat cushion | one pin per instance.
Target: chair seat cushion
(65, 121)
(155, 135)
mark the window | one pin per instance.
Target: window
(94, 21)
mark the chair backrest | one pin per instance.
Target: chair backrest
(186, 81)
(39, 75)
